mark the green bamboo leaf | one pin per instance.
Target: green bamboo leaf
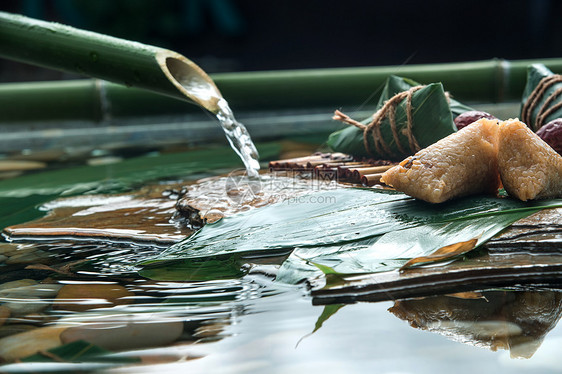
(332, 276)
(324, 269)
(352, 231)
(393, 250)
(396, 84)
(125, 174)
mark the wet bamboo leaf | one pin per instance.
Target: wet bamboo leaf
(392, 250)
(444, 253)
(325, 269)
(332, 277)
(350, 231)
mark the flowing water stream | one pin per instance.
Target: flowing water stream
(239, 138)
(201, 89)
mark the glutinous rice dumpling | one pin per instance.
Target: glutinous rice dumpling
(463, 163)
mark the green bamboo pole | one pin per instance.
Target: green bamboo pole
(489, 81)
(133, 64)
(65, 100)
(84, 99)
(479, 81)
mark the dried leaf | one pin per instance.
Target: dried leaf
(469, 295)
(443, 253)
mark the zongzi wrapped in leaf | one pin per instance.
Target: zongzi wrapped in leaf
(463, 163)
(529, 167)
(542, 97)
(418, 117)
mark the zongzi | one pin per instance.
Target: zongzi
(542, 98)
(408, 117)
(463, 163)
(529, 167)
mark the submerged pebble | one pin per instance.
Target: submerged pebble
(39, 319)
(26, 296)
(27, 343)
(4, 314)
(28, 289)
(15, 328)
(16, 284)
(125, 332)
(8, 249)
(209, 330)
(12, 254)
(21, 307)
(81, 297)
(36, 256)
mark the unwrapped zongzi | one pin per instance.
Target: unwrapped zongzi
(463, 163)
(529, 167)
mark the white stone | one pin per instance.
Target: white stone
(126, 332)
(21, 307)
(17, 283)
(31, 291)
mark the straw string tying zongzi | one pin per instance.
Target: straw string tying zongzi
(536, 96)
(374, 127)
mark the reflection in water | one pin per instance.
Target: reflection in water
(56, 292)
(249, 320)
(55, 295)
(516, 321)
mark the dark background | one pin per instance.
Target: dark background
(249, 35)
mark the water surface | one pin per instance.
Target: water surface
(251, 323)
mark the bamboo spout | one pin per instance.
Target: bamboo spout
(189, 79)
(65, 48)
